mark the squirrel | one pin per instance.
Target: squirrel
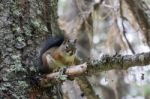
(55, 53)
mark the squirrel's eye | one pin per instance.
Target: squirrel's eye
(67, 46)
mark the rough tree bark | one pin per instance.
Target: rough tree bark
(22, 29)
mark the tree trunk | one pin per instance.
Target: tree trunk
(23, 26)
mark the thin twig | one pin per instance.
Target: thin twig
(124, 30)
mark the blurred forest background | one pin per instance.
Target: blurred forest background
(102, 27)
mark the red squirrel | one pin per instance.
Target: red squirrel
(61, 52)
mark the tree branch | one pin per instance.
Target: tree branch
(105, 63)
(139, 10)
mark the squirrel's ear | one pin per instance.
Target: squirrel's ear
(75, 40)
(70, 38)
